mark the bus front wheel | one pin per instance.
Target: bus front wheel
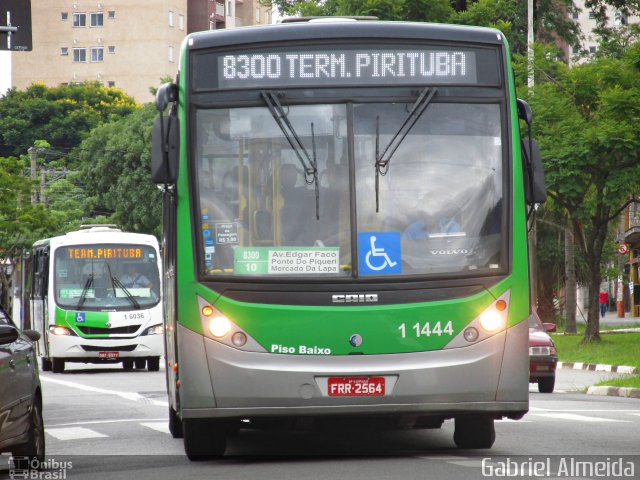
(474, 432)
(153, 364)
(204, 438)
(46, 364)
(57, 365)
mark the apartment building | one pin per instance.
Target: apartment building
(587, 21)
(128, 44)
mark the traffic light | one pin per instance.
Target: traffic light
(15, 25)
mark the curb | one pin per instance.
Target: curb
(593, 367)
(615, 391)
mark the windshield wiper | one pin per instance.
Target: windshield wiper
(383, 159)
(115, 282)
(85, 290)
(309, 163)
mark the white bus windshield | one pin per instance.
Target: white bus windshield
(106, 277)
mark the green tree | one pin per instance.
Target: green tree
(60, 115)
(588, 125)
(116, 159)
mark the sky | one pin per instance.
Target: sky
(5, 71)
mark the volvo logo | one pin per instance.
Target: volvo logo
(355, 340)
(354, 298)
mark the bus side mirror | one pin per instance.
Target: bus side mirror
(166, 94)
(524, 111)
(535, 188)
(165, 142)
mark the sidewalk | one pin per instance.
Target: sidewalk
(627, 324)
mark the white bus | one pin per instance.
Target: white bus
(95, 297)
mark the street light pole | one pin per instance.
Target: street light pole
(530, 80)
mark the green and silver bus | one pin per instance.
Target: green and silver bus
(345, 230)
(95, 297)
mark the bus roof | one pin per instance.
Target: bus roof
(102, 233)
(328, 31)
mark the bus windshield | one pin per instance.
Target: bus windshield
(440, 196)
(106, 277)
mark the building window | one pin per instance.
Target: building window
(111, 83)
(181, 22)
(576, 15)
(170, 54)
(257, 14)
(79, 19)
(112, 49)
(64, 16)
(112, 14)
(212, 25)
(171, 19)
(97, 54)
(79, 55)
(620, 19)
(592, 15)
(97, 19)
(229, 10)
(592, 49)
(64, 51)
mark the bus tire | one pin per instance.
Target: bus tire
(46, 364)
(175, 425)
(140, 363)
(57, 365)
(153, 364)
(204, 439)
(546, 384)
(35, 445)
(474, 432)
(127, 364)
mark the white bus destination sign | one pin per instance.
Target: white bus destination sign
(347, 67)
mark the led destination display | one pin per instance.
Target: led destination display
(344, 66)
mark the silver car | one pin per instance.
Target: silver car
(21, 424)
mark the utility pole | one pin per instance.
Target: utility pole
(530, 40)
(33, 156)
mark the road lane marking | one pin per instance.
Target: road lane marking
(134, 396)
(158, 426)
(96, 422)
(73, 433)
(580, 418)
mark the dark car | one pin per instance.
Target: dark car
(543, 356)
(21, 425)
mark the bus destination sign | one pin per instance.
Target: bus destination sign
(375, 66)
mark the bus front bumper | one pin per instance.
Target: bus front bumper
(490, 377)
(72, 347)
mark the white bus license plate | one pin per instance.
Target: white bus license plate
(108, 354)
(356, 386)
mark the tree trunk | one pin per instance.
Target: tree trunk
(592, 333)
(570, 281)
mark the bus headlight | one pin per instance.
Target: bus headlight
(491, 320)
(219, 326)
(60, 331)
(154, 330)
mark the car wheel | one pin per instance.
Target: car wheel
(474, 432)
(153, 364)
(175, 424)
(140, 363)
(34, 447)
(46, 364)
(57, 365)
(204, 438)
(546, 384)
(127, 364)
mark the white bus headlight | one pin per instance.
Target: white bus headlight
(219, 326)
(491, 320)
(60, 331)
(154, 330)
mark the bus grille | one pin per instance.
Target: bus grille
(109, 331)
(122, 348)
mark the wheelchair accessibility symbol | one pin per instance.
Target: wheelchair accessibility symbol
(379, 253)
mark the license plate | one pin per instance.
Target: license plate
(356, 386)
(108, 354)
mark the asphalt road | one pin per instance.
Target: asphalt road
(111, 424)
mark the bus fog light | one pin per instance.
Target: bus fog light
(219, 326)
(239, 339)
(491, 321)
(471, 334)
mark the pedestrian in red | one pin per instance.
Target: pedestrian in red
(604, 299)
